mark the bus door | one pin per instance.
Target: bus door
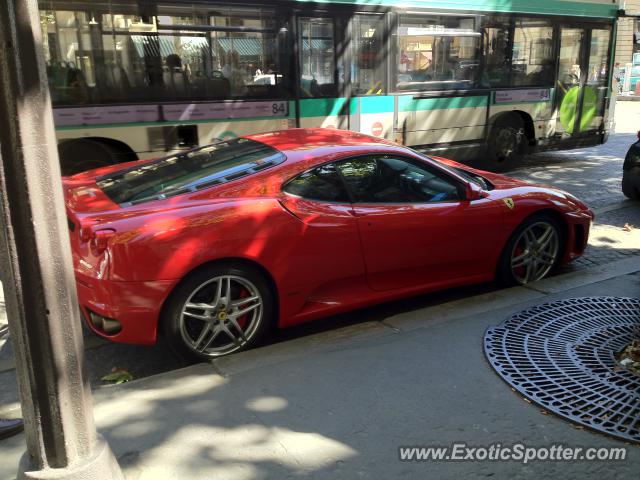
(582, 87)
(435, 64)
(371, 109)
(321, 75)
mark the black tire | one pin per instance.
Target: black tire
(178, 330)
(631, 192)
(505, 275)
(505, 145)
(81, 155)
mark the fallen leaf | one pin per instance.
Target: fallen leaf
(117, 376)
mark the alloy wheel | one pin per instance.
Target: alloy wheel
(535, 252)
(221, 315)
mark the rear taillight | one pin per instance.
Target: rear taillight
(100, 240)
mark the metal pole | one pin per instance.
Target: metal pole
(37, 270)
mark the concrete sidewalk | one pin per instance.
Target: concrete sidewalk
(338, 404)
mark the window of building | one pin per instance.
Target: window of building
(437, 53)
(389, 179)
(518, 52)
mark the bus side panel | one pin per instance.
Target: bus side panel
(428, 121)
(325, 112)
(213, 131)
(132, 135)
(541, 111)
(376, 116)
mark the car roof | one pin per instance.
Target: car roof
(295, 141)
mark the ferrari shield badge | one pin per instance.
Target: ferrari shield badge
(509, 203)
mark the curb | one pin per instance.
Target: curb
(627, 98)
(398, 324)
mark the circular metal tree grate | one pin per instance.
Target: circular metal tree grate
(561, 355)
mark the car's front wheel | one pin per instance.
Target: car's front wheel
(532, 252)
(217, 311)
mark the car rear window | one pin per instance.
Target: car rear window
(189, 171)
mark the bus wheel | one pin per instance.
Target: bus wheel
(81, 155)
(506, 143)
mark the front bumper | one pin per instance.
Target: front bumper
(135, 305)
(579, 225)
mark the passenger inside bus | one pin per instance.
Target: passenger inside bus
(174, 77)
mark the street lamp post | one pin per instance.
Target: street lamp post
(36, 261)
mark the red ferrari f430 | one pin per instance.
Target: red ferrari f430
(216, 245)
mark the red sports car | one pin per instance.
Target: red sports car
(216, 245)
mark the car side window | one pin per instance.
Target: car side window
(389, 179)
(322, 183)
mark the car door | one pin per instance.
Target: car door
(416, 226)
(325, 263)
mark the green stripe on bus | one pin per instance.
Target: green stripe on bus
(408, 104)
(376, 104)
(548, 7)
(325, 107)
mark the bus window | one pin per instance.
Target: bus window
(518, 52)
(246, 60)
(119, 54)
(317, 58)
(437, 53)
(368, 68)
(69, 56)
(599, 57)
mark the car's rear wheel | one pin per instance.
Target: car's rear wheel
(217, 311)
(534, 250)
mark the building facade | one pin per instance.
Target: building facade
(628, 33)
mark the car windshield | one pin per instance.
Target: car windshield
(188, 172)
(471, 177)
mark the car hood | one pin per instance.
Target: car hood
(499, 181)
(503, 182)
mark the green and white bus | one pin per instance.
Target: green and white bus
(459, 78)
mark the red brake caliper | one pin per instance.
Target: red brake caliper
(242, 321)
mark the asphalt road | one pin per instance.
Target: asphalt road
(592, 174)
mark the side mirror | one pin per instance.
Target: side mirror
(473, 192)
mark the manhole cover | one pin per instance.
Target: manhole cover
(561, 355)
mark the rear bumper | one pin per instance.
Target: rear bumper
(135, 305)
(579, 226)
